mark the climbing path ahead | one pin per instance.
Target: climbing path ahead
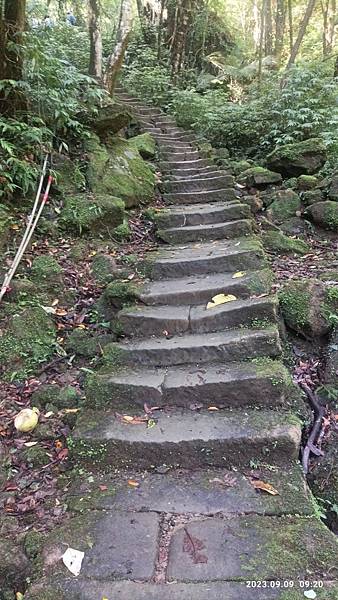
(215, 496)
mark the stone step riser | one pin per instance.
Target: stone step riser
(179, 156)
(181, 388)
(222, 195)
(206, 173)
(197, 185)
(162, 138)
(227, 231)
(185, 167)
(260, 344)
(214, 264)
(194, 295)
(204, 216)
(144, 323)
(175, 147)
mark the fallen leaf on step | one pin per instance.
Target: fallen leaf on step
(220, 299)
(212, 408)
(151, 423)
(133, 483)
(30, 444)
(193, 546)
(238, 275)
(264, 487)
(103, 488)
(72, 559)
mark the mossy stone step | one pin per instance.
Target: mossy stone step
(218, 195)
(182, 165)
(205, 258)
(206, 173)
(179, 137)
(179, 156)
(213, 231)
(187, 440)
(199, 214)
(218, 347)
(145, 321)
(262, 383)
(219, 182)
(200, 289)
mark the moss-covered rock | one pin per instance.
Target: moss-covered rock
(324, 214)
(144, 144)
(28, 341)
(5, 221)
(109, 120)
(82, 343)
(258, 177)
(284, 205)
(60, 397)
(238, 166)
(312, 196)
(119, 170)
(84, 214)
(46, 270)
(333, 188)
(104, 268)
(306, 182)
(122, 233)
(14, 567)
(278, 242)
(299, 158)
(308, 307)
(70, 176)
(254, 201)
(116, 295)
(36, 456)
(294, 227)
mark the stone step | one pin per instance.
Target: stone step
(201, 214)
(184, 137)
(261, 384)
(169, 145)
(146, 321)
(206, 173)
(213, 231)
(200, 493)
(218, 182)
(226, 346)
(200, 289)
(205, 258)
(152, 112)
(188, 440)
(176, 167)
(180, 156)
(219, 195)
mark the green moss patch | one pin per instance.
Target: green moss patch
(285, 204)
(278, 242)
(259, 176)
(84, 214)
(144, 144)
(300, 158)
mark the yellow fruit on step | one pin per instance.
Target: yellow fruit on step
(26, 420)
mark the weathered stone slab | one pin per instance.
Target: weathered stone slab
(143, 321)
(182, 439)
(201, 289)
(213, 231)
(198, 214)
(219, 182)
(182, 165)
(206, 492)
(258, 548)
(220, 195)
(117, 545)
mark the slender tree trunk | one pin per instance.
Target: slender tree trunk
(160, 30)
(268, 28)
(95, 60)
(280, 28)
(335, 73)
(12, 24)
(329, 9)
(256, 26)
(290, 18)
(180, 37)
(301, 33)
(261, 42)
(122, 39)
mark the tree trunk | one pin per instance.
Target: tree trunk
(280, 28)
(290, 17)
(301, 33)
(122, 38)
(95, 60)
(261, 42)
(335, 73)
(268, 28)
(329, 8)
(12, 24)
(159, 33)
(179, 38)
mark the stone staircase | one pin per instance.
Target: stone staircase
(190, 524)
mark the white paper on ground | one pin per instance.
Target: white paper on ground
(73, 560)
(310, 594)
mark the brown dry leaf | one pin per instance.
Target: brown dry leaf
(133, 483)
(61, 312)
(264, 487)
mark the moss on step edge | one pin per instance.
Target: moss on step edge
(278, 242)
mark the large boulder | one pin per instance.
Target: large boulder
(258, 177)
(333, 189)
(70, 177)
(324, 214)
(84, 214)
(110, 120)
(144, 144)
(276, 241)
(308, 306)
(118, 169)
(27, 341)
(284, 205)
(300, 158)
